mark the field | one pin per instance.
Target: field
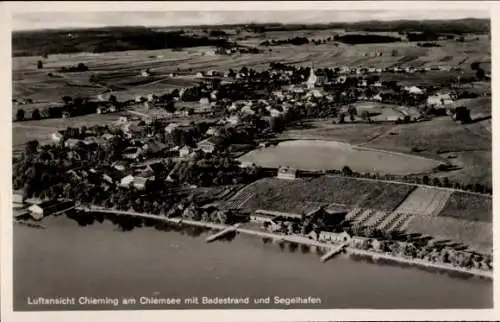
(424, 201)
(358, 134)
(324, 155)
(291, 196)
(475, 167)
(468, 207)
(476, 234)
(437, 136)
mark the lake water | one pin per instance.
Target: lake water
(98, 261)
(316, 155)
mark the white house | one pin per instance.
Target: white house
(57, 137)
(210, 52)
(38, 211)
(199, 75)
(234, 120)
(439, 100)
(132, 153)
(414, 90)
(204, 103)
(275, 113)
(171, 127)
(206, 146)
(185, 151)
(213, 131)
(325, 236)
(287, 173)
(127, 180)
(145, 73)
(247, 110)
(377, 84)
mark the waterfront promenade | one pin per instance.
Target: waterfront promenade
(293, 239)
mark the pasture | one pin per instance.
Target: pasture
(468, 207)
(475, 234)
(316, 155)
(439, 135)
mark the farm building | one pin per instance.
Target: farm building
(185, 151)
(234, 120)
(414, 90)
(17, 199)
(127, 180)
(72, 143)
(207, 145)
(171, 127)
(57, 137)
(46, 208)
(377, 97)
(155, 146)
(213, 131)
(440, 100)
(287, 173)
(262, 215)
(132, 153)
(210, 52)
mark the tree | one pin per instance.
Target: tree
(112, 99)
(20, 114)
(67, 99)
(346, 171)
(436, 182)
(426, 180)
(39, 64)
(36, 115)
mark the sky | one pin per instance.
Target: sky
(86, 19)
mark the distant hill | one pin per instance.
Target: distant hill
(458, 27)
(99, 40)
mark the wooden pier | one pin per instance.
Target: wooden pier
(334, 251)
(224, 232)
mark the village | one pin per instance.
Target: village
(148, 162)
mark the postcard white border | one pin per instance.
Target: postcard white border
(218, 315)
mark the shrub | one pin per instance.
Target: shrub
(20, 115)
(36, 115)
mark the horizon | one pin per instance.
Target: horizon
(32, 21)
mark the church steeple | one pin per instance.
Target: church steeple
(311, 81)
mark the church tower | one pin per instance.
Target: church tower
(311, 81)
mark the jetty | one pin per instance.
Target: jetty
(334, 251)
(294, 239)
(222, 233)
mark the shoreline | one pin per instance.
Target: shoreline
(294, 239)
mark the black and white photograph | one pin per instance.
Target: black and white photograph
(230, 159)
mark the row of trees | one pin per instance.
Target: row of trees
(399, 245)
